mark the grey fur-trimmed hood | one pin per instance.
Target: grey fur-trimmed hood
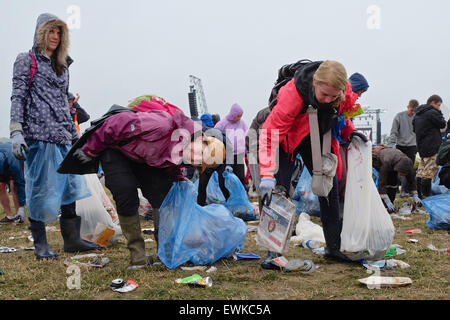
(45, 22)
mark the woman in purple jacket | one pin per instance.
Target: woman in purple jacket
(146, 150)
(235, 130)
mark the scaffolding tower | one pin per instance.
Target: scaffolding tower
(369, 122)
(196, 96)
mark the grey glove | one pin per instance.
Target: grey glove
(387, 202)
(416, 198)
(83, 157)
(358, 134)
(266, 186)
(19, 146)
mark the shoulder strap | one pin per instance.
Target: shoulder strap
(315, 140)
(32, 68)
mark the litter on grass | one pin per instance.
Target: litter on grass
(118, 285)
(443, 250)
(376, 282)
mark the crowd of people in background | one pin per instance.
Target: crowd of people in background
(133, 147)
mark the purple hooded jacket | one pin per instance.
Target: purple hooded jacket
(150, 133)
(235, 131)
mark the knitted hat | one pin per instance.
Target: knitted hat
(358, 82)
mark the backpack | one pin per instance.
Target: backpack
(443, 156)
(285, 74)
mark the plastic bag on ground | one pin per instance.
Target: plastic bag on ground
(213, 192)
(307, 230)
(93, 214)
(238, 202)
(303, 197)
(367, 230)
(438, 207)
(190, 232)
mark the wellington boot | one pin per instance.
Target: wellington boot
(131, 229)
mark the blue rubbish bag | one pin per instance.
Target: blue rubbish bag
(238, 202)
(190, 232)
(438, 207)
(436, 188)
(213, 192)
(303, 197)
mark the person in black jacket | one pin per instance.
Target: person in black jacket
(427, 125)
(79, 115)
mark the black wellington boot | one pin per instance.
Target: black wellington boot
(426, 187)
(70, 231)
(41, 248)
(419, 187)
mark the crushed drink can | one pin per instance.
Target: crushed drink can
(121, 286)
(203, 282)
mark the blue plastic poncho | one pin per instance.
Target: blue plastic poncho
(46, 190)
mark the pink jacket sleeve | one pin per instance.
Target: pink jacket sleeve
(276, 127)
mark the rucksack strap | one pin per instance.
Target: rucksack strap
(315, 141)
(32, 68)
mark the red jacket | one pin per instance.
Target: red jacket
(286, 118)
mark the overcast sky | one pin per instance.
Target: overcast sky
(122, 49)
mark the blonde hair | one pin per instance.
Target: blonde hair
(59, 57)
(332, 73)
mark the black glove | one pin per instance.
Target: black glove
(358, 134)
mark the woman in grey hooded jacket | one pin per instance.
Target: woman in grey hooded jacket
(42, 130)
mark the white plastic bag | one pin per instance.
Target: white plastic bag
(93, 213)
(367, 230)
(307, 230)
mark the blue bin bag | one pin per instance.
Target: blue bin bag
(190, 232)
(47, 190)
(303, 197)
(213, 192)
(238, 202)
(438, 207)
(436, 188)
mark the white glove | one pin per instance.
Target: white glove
(266, 186)
(387, 202)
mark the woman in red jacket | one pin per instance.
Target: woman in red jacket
(324, 85)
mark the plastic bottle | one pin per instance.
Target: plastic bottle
(311, 244)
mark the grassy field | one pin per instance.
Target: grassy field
(24, 277)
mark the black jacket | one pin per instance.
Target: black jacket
(427, 124)
(72, 164)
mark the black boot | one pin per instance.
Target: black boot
(426, 187)
(419, 187)
(41, 248)
(70, 231)
(332, 233)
